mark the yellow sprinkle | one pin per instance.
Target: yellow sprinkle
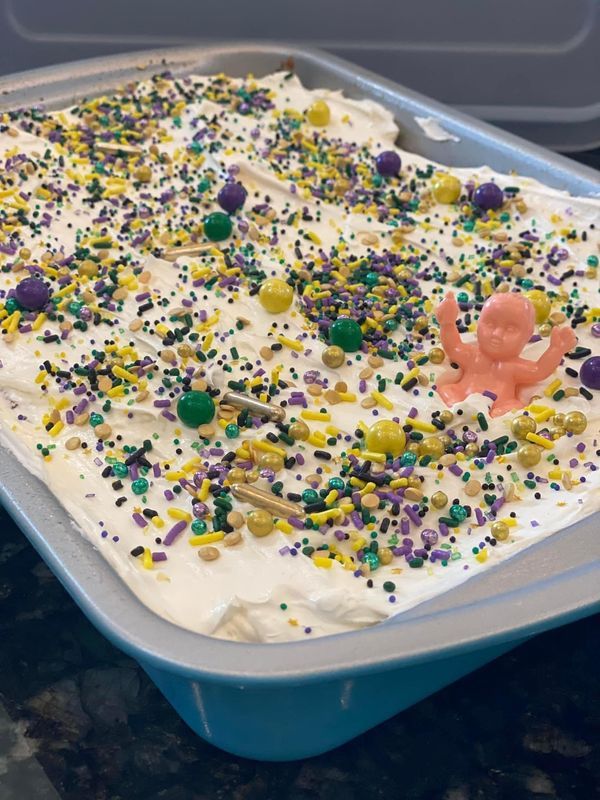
(346, 508)
(412, 373)
(362, 426)
(358, 544)
(482, 556)
(533, 437)
(204, 488)
(174, 475)
(331, 497)
(316, 416)
(119, 372)
(116, 391)
(291, 343)
(14, 322)
(191, 465)
(162, 329)
(552, 387)
(555, 474)
(421, 425)
(398, 482)
(206, 538)
(368, 488)
(38, 322)
(322, 516)
(56, 428)
(66, 290)
(8, 320)
(317, 439)
(331, 430)
(382, 400)
(179, 513)
(147, 559)
(41, 376)
(347, 397)
(324, 563)
(267, 447)
(379, 458)
(158, 522)
(510, 521)
(207, 341)
(284, 526)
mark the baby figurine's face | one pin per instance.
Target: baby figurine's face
(505, 326)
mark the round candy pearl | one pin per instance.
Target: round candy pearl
(596, 329)
(195, 408)
(310, 496)
(436, 355)
(217, 226)
(199, 527)
(346, 333)
(231, 197)
(429, 536)
(275, 295)
(447, 189)
(589, 374)
(575, 422)
(236, 475)
(260, 522)
(458, 512)
(439, 500)
(32, 294)
(319, 114)
(333, 356)
(523, 425)
(408, 459)
(299, 430)
(372, 559)
(385, 437)
(529, 455)
(388, 163)
(499, 530)
(272, 461)
(232, 431)
(488, 196)
(431, 446)
(139, 486)
(541, 303)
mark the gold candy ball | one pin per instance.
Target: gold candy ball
(414, 482)
(272, 461)
(446, 416)
(275, 295)
(333, 356)
(541, 303)
(523, 425)
(575, 422)
(446, 189)
(545, 330)
(529, 455)
(439, 500)
(431, 446)
(445, 440)
(421, 323)
(436, 355)
(471, 449)
(259, 522)
(559, 419)
(319, 114)
(385, 555)
(252, 476)
(556, 431)
(385, 436)
(413, 447)
(299, 430)
(500, 530)
(236, 475)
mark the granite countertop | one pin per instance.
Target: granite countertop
(78, 719)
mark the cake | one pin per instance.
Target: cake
(220, 351)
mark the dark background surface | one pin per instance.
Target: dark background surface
(81, 720)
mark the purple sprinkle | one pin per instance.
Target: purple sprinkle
(159, 556)
(139, 520)
(175, 531)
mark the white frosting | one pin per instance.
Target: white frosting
(240, 594)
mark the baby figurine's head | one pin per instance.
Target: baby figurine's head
(505, 326)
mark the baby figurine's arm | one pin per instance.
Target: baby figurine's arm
(447, 314)
(561, 341)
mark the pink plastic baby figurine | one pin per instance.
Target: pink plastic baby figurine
(493, 363)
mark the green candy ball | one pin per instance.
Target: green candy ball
(140, 486)
(310, 496)
(195, 408)
(346, 333)
(217, 226)
(372, 559)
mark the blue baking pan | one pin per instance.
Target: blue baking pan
(297, 699)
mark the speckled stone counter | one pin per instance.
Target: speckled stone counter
(80, 720)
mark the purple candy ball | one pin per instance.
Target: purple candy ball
(488, 196)
(231, 197)
(596, 329)
(32, 294)
(429, 536)
(388, 163)
(589, 374)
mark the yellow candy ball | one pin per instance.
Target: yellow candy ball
(541, 303)
(385, 436)
(260, 522)
(575, 422)
(500, 530)
(431, 446)
(446, 189)
(529, 455)
(523, 425)
(299, 430)
(275, 295)
(446, 416)
(439, 500)
(272, 461)
(333, 356)
(236, 475)
(471, 449)
(319, 114)
(436, 355)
